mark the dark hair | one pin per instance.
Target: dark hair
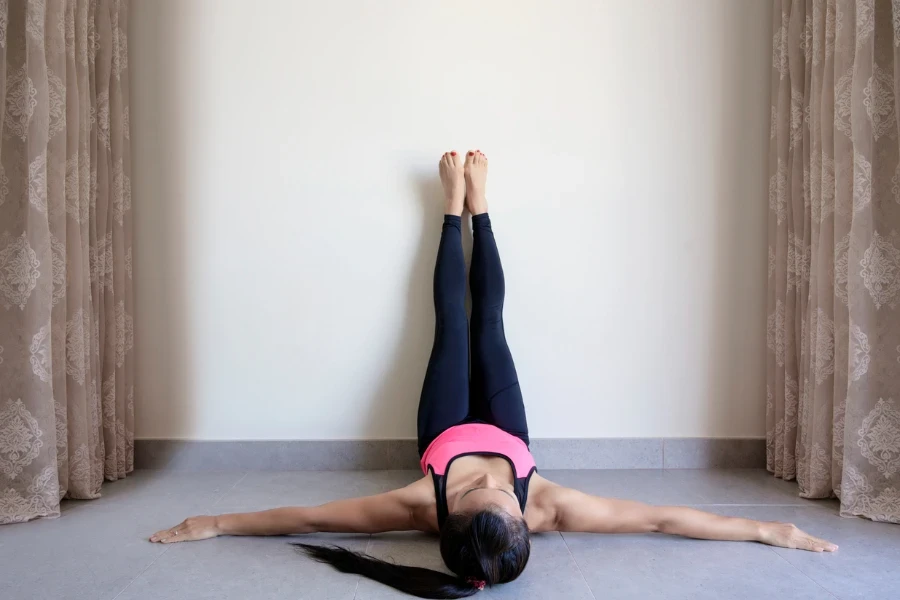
(489, 546)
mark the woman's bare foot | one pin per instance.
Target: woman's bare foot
(476, 181)
(451, 169)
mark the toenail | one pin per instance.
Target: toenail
(471, 154)
(453, 154)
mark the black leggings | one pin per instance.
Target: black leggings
(493, 395)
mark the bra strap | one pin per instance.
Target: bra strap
(440, 497)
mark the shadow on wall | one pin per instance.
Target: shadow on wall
(735, 364)
(398, 395)
(165, 366)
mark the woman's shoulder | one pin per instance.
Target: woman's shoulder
(419, 497)
(539, 484)
(421, 489)
(540, 513)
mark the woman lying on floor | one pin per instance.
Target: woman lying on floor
(481, 492)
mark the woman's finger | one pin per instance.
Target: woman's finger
(165, 534)
(814, 544)
(823, 545)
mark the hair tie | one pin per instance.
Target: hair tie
(477, 583)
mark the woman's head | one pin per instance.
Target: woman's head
(490, 545)
(487, 547)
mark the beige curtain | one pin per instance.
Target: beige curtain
(66, 366)
(833, 407)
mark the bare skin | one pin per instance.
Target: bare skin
(476, 483)
(476, 168)
(453, 182)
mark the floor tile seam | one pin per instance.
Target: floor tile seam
(577, 566)
(359, 577)
(772, 550)
(145, 569)
(796, 568)
(663, 453)
(229, 490)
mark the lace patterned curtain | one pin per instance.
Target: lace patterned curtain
(66, 367)
(833, 407)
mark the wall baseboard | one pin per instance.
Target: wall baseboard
(550, 453)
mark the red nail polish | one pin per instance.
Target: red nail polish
(471, 154)
(453, 154)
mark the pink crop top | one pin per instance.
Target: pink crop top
(481, 439)
(477, 438)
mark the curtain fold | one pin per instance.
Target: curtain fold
(66, 302)
(833, 375)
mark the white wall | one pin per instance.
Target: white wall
(288, 210)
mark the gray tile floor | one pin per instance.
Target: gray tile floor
(98, 550)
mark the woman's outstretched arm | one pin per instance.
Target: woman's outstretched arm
(576, 511)
(391, 511)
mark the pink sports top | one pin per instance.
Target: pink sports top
(476, 439)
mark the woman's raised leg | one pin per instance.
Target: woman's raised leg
(496, 395)
(445, 392)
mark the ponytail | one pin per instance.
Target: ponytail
(416, 581)
(485, 548)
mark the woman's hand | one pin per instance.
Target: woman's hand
(190, 530)
(788, 535)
